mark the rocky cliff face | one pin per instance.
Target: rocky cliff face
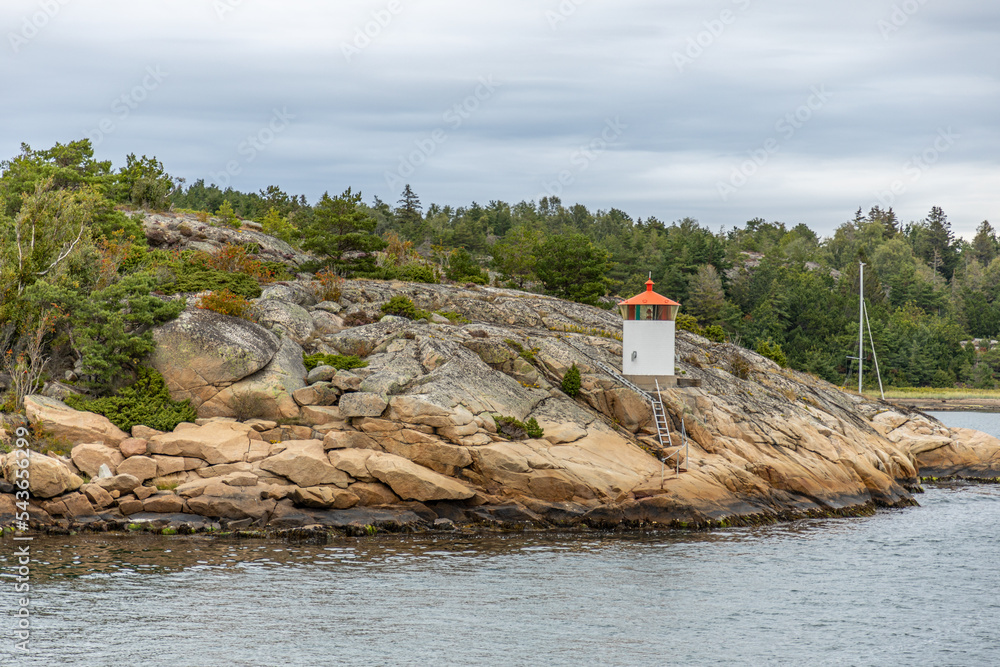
(413, 438)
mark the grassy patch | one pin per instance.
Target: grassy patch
(527, 355)
(453, 317)
(937, 393)
(341, 362)
(588, 331)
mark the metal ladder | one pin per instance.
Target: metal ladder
(659, 417)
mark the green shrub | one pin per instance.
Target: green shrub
(145, 402)
(275, 225)
(982, 376)
(768, 348)
(515, 429)
(942, 378)
(571, 382)
(715, 333)
(339, 361)
(402, 306)
(463, 269)
(279, 271)
(197, 277)
(686, 322)
(417, 273)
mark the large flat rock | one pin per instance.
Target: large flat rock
(411, 481)
(70, 426)
(214, 442)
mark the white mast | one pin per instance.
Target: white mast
(861, 328)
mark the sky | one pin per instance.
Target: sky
(723, 111)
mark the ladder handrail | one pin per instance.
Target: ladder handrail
(658, 402)
(659, 412)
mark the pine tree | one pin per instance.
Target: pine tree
(984, 245)
(933, 241)
(705, 295)
(227, 215)
(408, 215)
(571, 267)
(344, 232)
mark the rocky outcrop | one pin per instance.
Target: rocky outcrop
(289, 319)
(940, 451)
(184, 231)
(89, 458)
(304, 462)
(202, 352)
(415, 437)
(268, 392)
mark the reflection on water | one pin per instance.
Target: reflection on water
(96, 556)
(909, 586)
(914, 586)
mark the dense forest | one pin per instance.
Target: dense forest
(75, 272)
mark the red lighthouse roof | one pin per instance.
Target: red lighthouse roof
(649, 298)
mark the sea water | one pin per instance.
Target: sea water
(914, 586)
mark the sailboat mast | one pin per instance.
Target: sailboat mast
(861, 328)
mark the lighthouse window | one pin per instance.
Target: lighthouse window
(649, 313)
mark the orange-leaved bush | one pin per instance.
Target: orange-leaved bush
(225, 302)
(235, 258)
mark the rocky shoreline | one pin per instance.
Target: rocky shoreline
(411, 442)
(948, 404)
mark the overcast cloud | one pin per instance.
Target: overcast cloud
(722, 111)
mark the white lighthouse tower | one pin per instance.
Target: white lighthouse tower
(648, 336)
